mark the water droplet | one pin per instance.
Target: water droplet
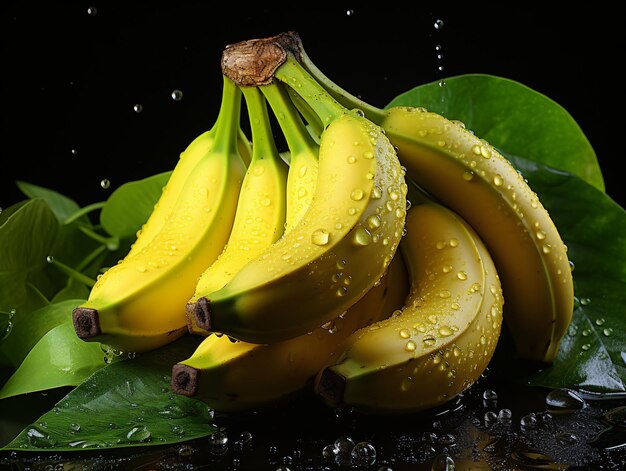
(607, 332)
(185, 451)
(566, 439)
(320, 237)
(105, 183)
(505, 416)
(344, 445)
(447, 439)
(177, 95)
(368, 155)
(137, 108)
(330, 452)
(219, 439)
(455, 306)
(444, 293)
(438, 24)
(362, 237)
(429, 341)
(490, 396)
(74, 427)
(349, 12)
(404, 333)
(497, 180)
(363, 454)
(39, 439)
(445, 331)
(586, 347)
(357, 194)
(410, 346)
(92, 11)
(600, 321)
(138, 434)
(490, 418)
(585, 301)
(377, 193)
(50, 258)
(528, 422)
(373, 221)
(468, 175)
(564, 400)
(461, 275)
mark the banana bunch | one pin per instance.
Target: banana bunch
(375, 262)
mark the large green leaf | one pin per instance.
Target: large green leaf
(592, 355)
(128, 403)
(130, 205)
(27, 237)
(513, 117)
(29, 329)
(59, 359)
(61, 205)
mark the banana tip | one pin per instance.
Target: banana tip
(184, 380)
(331, 386)
(86, 322)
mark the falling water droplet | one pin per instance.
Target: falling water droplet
(138, 108)
(349, 12)
(177, 95)
(438, 24)
(92, 11)
(105, 183)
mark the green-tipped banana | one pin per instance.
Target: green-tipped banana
(442, 339)
(260, 217)
(303, 152)
(471, 177)
(340, 247)
(233, 375)
(139, 304)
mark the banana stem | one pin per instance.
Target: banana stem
(307, 113)
(263, 144)
(82, 211)
(296, 134)
(321, 102)
(72, 273)
(344, 97)
(228, 118)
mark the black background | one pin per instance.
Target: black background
(70, 79)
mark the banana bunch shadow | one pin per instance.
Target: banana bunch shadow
(370, 262)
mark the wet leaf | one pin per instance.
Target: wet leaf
(29, 329)
(513, 117)
(123, 220)
(593, 226)
(126, 404)
(58, 359)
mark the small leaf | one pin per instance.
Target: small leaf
(61, 205)
(59, 359)
(511, 116)
(126, 404)
(130, 205)
(593, 227)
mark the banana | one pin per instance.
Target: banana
(235, 376)
(139, 304)
(260, 216)
(175, 184)
(342, 244)
(471, 177)
(303, 152)
(441, 340)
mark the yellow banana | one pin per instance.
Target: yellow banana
(194, 152)
(340, 247)
(233, 375)
(303, 153)
(260, 217)
(139, 304)
(442, 339)
(471, 177)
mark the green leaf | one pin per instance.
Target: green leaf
(126, 404)
(27, 237)
(592, 356)
(130, 205)
(513, 117)
(29, 329)
(61, 205)
(59, 359)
